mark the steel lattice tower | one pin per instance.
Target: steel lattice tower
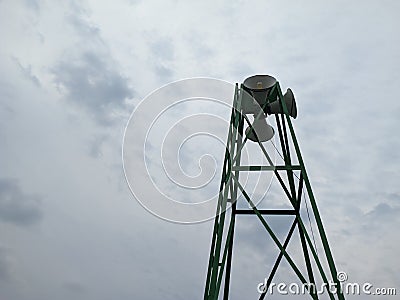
(220, 260)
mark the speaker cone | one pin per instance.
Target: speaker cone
(260, 130)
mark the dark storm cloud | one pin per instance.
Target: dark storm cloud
(93, 83)
(16, 207)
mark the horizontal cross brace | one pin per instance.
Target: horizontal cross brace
(265, 168)
(266, 212)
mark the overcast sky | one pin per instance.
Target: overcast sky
(72, 72)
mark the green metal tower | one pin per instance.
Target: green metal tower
(261, 96)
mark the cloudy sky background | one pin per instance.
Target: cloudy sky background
(71, 74)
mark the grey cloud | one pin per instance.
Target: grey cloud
(162, 53)
(4, 264)
(83, 28)
(393, 196)
(163, 49)
(33, 4)
(383, 213)
(347, 141)
(96, 144)
(75, 287)
(92, 82)
(133, 2)
(27, 72)
(254, 235)
(198, 46)
(16, 207)
(4, 106)
(163, 72)
(88, 74)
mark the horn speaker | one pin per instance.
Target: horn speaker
(260, 130)
(275, 107)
